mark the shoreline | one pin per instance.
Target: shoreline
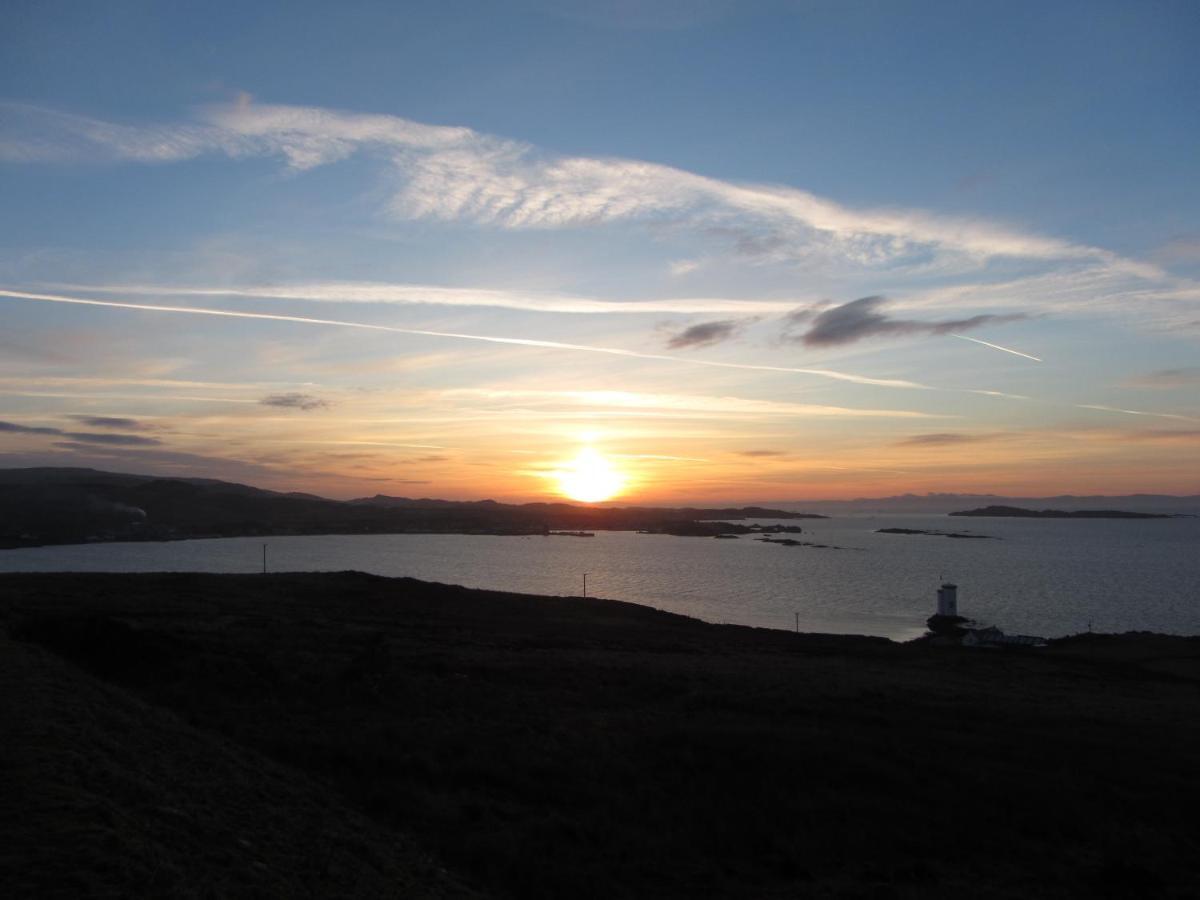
(846, 598)
(929, 637)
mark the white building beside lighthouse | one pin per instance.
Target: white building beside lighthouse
(947, 600)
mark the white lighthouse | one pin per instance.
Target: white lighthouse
(948, 600)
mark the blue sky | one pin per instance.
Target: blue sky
(735, 177)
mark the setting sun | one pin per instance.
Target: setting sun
(589, 478)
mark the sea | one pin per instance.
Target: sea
(1045, 577)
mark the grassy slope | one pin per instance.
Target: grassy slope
(583, 748)
(102, 795)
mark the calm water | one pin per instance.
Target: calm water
(1048, 577)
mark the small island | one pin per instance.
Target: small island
(949, 534)
(791, 542)
(701, 528)
(1016, 512)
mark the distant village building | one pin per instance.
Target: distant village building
(947, 600)
(994, 637)
(979, 637)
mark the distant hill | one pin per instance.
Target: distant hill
(1015, 512)
(59, 505)
(947, 503)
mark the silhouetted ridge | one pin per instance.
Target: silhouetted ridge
(56, 506)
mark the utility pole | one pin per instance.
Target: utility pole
(585, 574)
(264, 559)
(797, 623)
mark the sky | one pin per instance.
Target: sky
(689, 251)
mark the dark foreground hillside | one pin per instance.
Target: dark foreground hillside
(348, 735)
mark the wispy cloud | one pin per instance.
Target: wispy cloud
(862, 318)
(456, 173)
(1184, 249)
(942, 439)
(699, 404)
(1178, 436)
(660, 456)
(1116, 290)
(86, 437)
(108, 422)
(306, 402)
(114, 440)
(549, 345)
(14, 428)
(681, 267)
(1185, 376)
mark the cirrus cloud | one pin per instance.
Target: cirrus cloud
(457, 173)
(1184, 376)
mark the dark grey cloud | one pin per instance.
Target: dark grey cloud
(108, 422)
(14, 428)
(704, 334)
(801, 315)
(941, 438)
(84, 437)
(384, 478)
(113, 440)
(1185, 376)
(862, 318)
(305, 402)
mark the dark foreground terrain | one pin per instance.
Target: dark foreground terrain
(349, 735)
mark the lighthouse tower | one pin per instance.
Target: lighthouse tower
(948, 600)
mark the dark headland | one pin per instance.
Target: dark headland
(68, 506)
(330, 735)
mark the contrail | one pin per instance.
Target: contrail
(1134, 412)
(490, 339)
(418, 294)
(995, 346)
